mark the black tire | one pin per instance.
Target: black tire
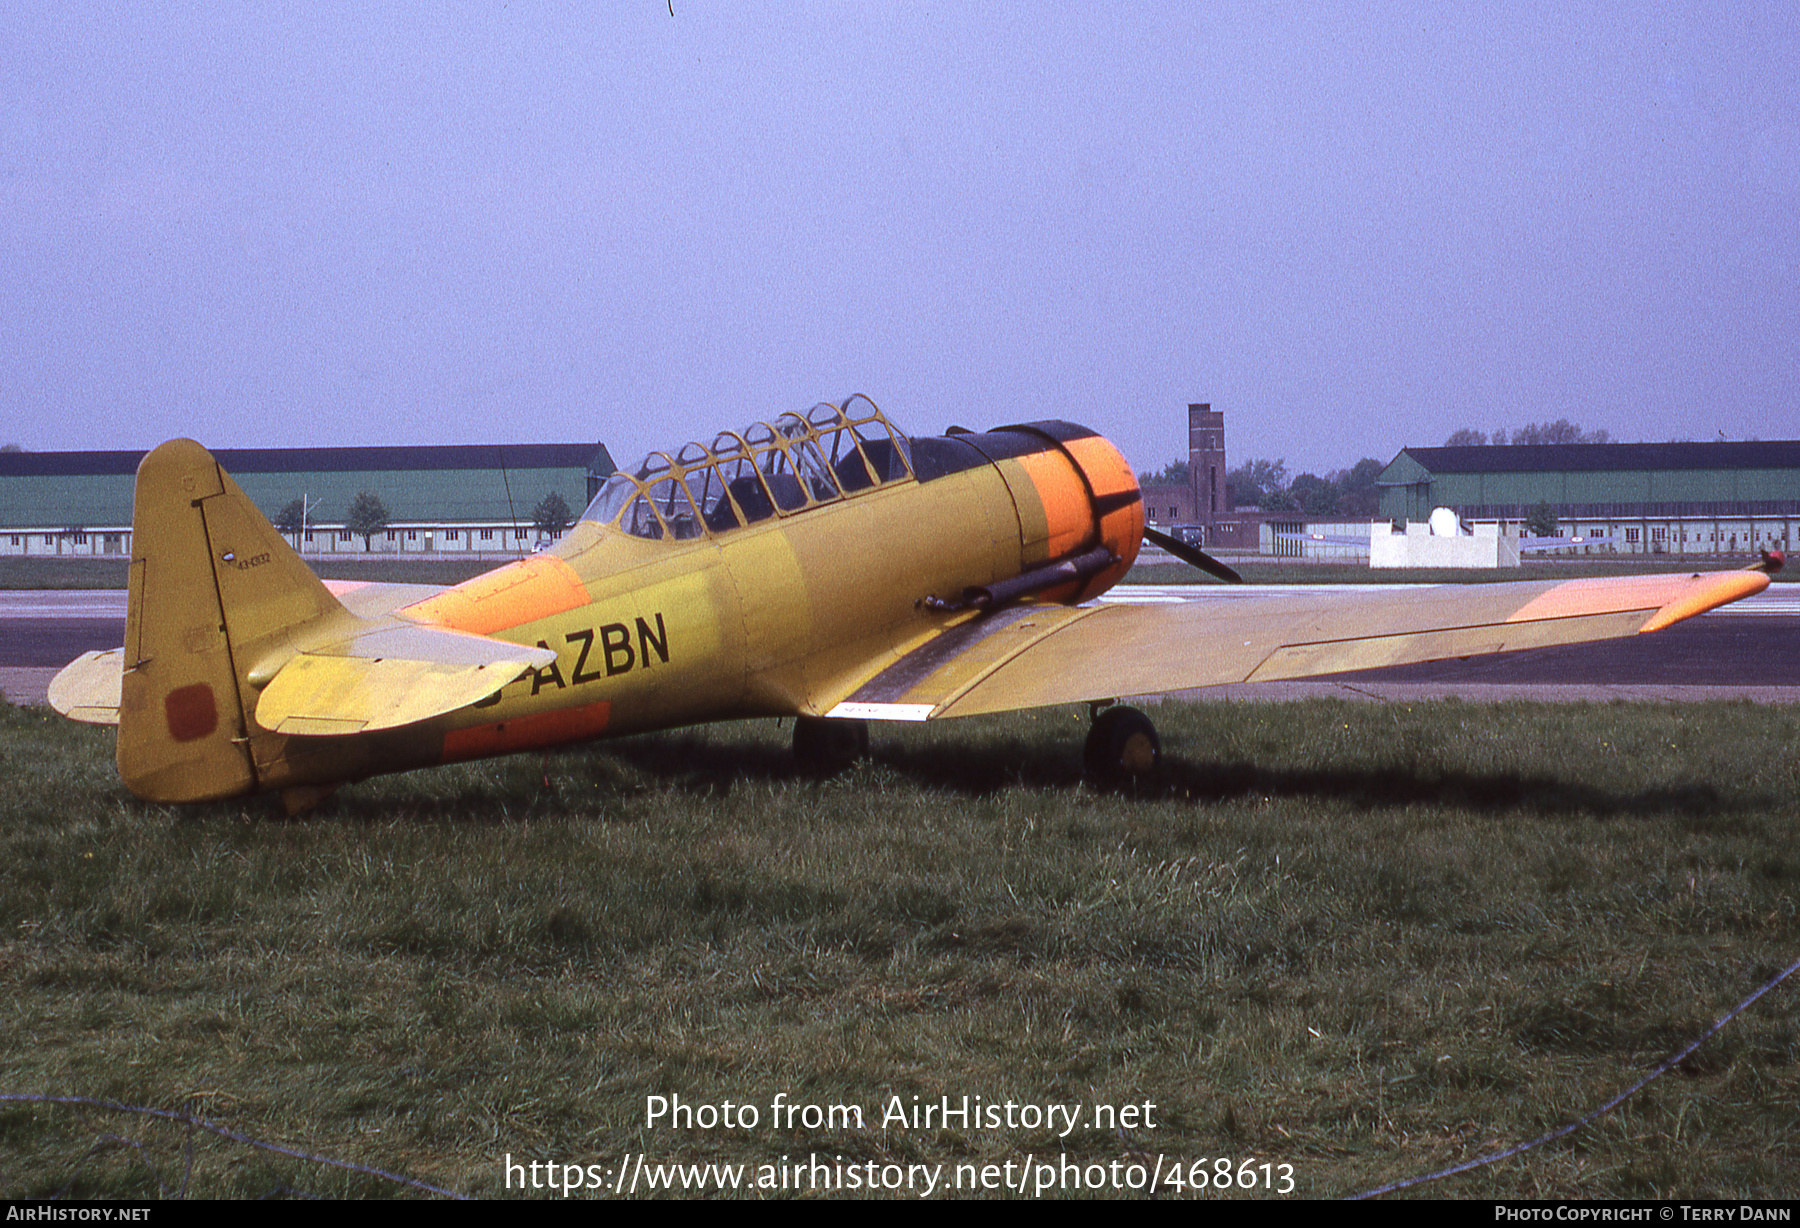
(826, 747)
(1122, 749)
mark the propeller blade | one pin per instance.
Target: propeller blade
(1187, 554)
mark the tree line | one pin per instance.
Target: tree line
(1351, 493)
(1560, 431)
(368, 515)
(1265, 484)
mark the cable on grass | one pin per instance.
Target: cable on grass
(222, 1132)
(1667, 1064)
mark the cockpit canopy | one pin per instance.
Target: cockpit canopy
(770, 469)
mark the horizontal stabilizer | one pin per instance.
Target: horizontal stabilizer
(87, 689)
(389, 677)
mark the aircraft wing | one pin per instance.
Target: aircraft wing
(1028, 655)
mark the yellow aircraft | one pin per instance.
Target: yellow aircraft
(823, 566)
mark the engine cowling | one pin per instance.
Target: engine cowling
(1074, 492)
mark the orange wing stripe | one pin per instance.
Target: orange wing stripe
(1674, 597)
(1727, 587)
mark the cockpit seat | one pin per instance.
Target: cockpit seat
(751, 496)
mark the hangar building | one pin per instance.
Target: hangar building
(1650, 498)
(469, 499)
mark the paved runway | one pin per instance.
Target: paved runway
(1749, 650)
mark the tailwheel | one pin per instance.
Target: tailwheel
(1122, 749)
(826, 747)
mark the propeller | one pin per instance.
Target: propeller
(1187, 554)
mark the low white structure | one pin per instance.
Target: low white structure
(1336, 541)
(1443, 542)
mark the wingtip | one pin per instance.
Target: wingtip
(1709, 593)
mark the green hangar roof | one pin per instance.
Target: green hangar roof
(1596, 479)
(470, 482)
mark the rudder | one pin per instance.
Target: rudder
(214, 591)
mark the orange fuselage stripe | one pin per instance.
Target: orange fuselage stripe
(1064, 498)
(528, 732)
(1121, 529)
(1105, 468)
(518, 593)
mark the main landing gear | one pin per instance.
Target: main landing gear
(826, 747)
(1122, 748)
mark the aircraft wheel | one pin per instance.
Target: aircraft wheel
(826, 747)
(1122, 748)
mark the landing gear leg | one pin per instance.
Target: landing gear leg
(826, 747)
(1122, 749)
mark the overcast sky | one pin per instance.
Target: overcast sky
(260, 224)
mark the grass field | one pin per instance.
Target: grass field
(1365, 942)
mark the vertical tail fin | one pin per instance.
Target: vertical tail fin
(213, 590)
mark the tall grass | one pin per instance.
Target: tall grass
(1364, 941)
